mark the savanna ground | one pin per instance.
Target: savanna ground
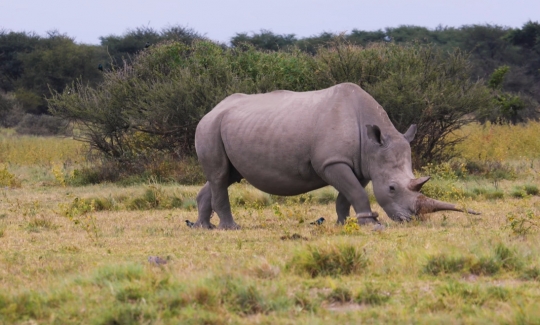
(79, 254)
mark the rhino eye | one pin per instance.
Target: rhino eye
(392, 189)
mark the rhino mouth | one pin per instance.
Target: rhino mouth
(401, 216)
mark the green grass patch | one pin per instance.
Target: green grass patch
(487, 193)
(522, 191)
(329, 260)
(503, 258)
(339, 294)
(372, 295)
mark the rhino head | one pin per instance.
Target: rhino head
(396, 189)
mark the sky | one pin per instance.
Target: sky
(220, 20)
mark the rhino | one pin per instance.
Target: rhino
(288, 143)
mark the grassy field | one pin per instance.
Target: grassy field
(80, 254)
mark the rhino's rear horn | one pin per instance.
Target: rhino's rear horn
(411, 132)
(416, 184)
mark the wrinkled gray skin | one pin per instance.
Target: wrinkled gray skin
(288, 143)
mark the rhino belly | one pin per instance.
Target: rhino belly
(278, 179)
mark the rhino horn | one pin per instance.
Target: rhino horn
(416, 184)
(427, 205)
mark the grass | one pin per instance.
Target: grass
(79, 254)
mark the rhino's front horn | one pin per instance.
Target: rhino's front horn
(416, 184)
(427, 205)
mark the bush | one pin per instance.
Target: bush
(524, 190)
(503, 258)
(371, 295)
(8, 179)
(333, 260)
(154, 197)
(415, 84)
(10, 111)
(153, 105)
(44, 125)
(339, 294)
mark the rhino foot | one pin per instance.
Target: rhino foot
(367, 218)
(228, 225)
(204, 225)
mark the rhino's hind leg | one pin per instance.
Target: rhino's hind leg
(204, 207)
(221, 204)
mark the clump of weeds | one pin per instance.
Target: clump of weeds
(330, 260)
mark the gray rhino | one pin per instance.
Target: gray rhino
(288, 143)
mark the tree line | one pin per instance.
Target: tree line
(32, 66)
(137, 98)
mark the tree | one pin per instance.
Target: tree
(265, 40)
(124, 47)
(56, 61)
(528, 36)
(12, 45)
(416, 84)
(152, 106)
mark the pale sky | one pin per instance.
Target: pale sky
(220, 20)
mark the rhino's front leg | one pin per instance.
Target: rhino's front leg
(351, 191)
(343, 207)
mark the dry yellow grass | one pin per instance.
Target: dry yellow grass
(43, 151)
(53, 270)
(57, 256)
(500, 142)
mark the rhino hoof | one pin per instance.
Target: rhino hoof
(228, 226)
(367, 218)
(204, 225)
(368, 221)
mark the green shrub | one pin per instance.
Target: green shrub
(443, 182)
(523, 223)
(84, 176)
(130, 293)
(445, 264)
(491, 169)
(532, 273)
(118, 273)
(170, 86)
(503, 258)
(43, 125)
(340, 295)
(524, 190)
(494, 194)
(155, 197)
(531, 189)
(334, 260)
(371, 295)
(8, 179)
(508, 258)
(484, 266)
(240, 296)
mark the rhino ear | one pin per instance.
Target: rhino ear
(374, 134)
(411, 132)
